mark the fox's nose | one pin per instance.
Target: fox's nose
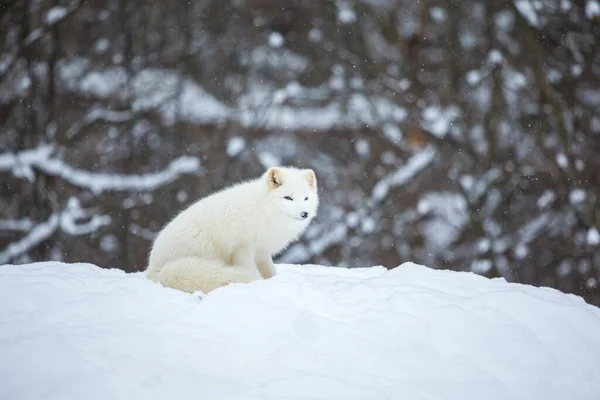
(304, 214)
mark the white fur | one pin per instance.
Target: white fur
(231, 235)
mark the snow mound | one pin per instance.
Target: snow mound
(73, 331)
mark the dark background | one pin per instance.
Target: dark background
(457, 134)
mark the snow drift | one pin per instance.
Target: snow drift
(73, 331)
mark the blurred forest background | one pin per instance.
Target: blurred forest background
(459, 134)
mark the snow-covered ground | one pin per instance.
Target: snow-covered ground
(76, 331)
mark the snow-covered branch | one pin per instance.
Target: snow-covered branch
(23, 163)
(16, 225)
(71, 216)
(99, 114)
(528, 10)
(403, 174)
(147, 234)
(37, 235)
(69, 221)
(52, 17)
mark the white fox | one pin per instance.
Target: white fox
(231, 235)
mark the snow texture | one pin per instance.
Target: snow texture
(72, 331)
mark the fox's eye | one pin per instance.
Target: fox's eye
(288, 198)
(306, 198)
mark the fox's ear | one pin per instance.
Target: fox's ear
(311, 178)
(274, 176)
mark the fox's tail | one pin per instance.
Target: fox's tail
(192, 274)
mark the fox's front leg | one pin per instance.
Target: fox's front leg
(265, 265)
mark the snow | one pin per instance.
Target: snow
(276, 39)
(533, 228)
(592, 9)
(593, 237)
(285, 117)
(576, 70)
(41, 158)
(362, 147)
(368, 225)
(109, 243)
(504, 20)
(481, 266)
(403, 174)
(197, 105)
(55, 14)
(438, 14)
(527, 10)
(20, 225)
(268, 159)
(176, 96)
(290, 107)
(352, 219)
(73, 213)
(164, 89)
(514, 79)
(483, 245)
(315, 35)
(495, 57)
(446, 213)
(439, 120)
(392, 133)
(521, 251)
(565, 5)
(345, 14)
(546, 199)
(474, 77)
(71, 331)
(562, 160)
(337, 82)
(98, 114)
(279, 59)
(181, 196)
(35, 236)
(68, 220)
(577, 196)
(101, 45)
(105, 83)
(235, 146)
(467, 39)
(333, 235)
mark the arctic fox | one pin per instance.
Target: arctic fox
(231, 235)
